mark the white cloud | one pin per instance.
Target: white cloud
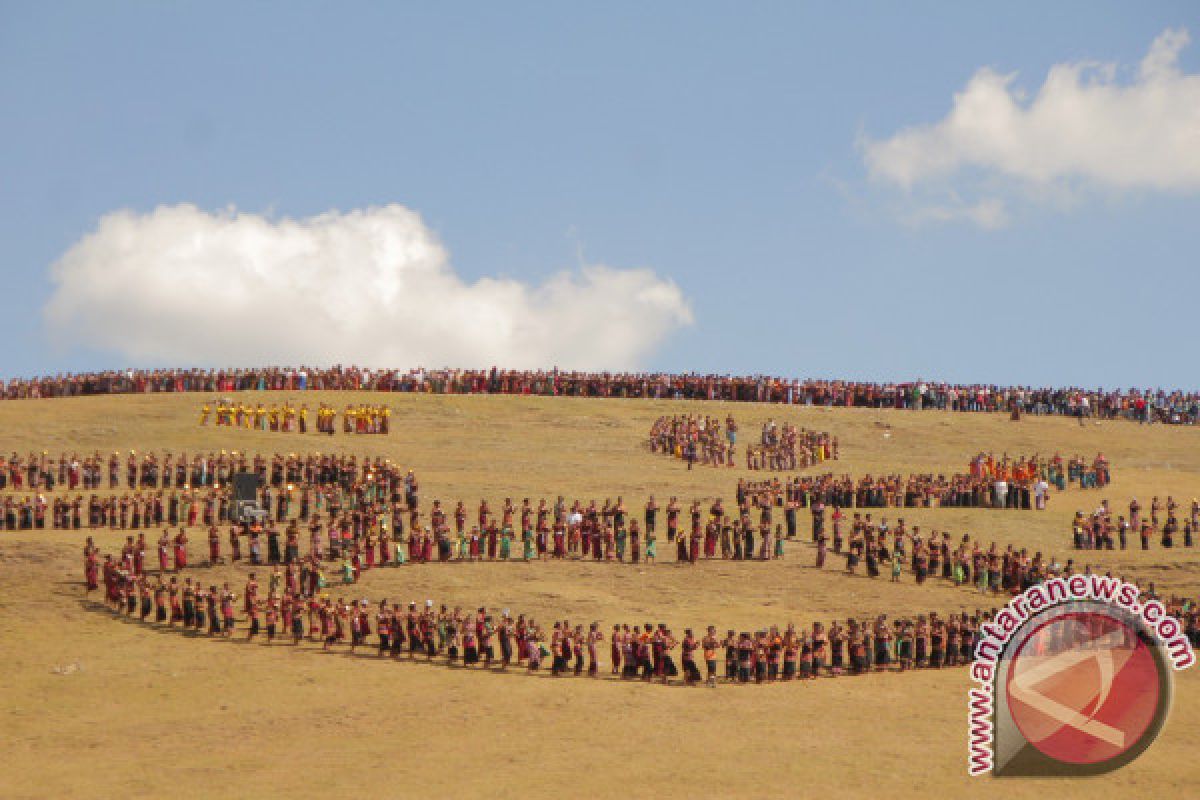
(988, 213)
(373, 287)
(1084, 127)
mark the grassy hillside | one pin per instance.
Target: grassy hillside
(150, 712)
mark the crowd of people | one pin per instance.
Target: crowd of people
(332, 519)
(695, 439)
(925, 490)
(886, 550)
(363, 418)
(1175, 406)
(360, 531)
(178, 490)
(700, 439)
(296, 607)
(1100, 531)
(287, 417)
(340, 542)
(1094, 473)
(165, 470)
(481, 640)
(290, 417)
(352, 523)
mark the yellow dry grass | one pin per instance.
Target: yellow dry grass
(154, 713)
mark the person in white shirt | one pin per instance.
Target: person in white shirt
(1040, 490)
(1001, 489)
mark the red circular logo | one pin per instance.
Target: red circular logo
(1083, 688)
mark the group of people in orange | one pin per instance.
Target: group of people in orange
(1094, 473)
(285, 417)
(364, 419)
(289, 417)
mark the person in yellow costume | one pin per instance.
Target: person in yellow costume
(386, 414)
(205, 410)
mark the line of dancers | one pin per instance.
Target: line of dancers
(485, 640)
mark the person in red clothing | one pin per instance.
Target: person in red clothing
(181, 540)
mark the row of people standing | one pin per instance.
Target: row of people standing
(483, 640)
(168, 470)
(1104, 530)
(1145, 405)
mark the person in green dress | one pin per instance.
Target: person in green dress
(505, 543)
(527, 541)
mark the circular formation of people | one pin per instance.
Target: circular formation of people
(325, 521)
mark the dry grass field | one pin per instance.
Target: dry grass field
(152, 713)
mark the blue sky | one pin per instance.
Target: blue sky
(720, 146)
